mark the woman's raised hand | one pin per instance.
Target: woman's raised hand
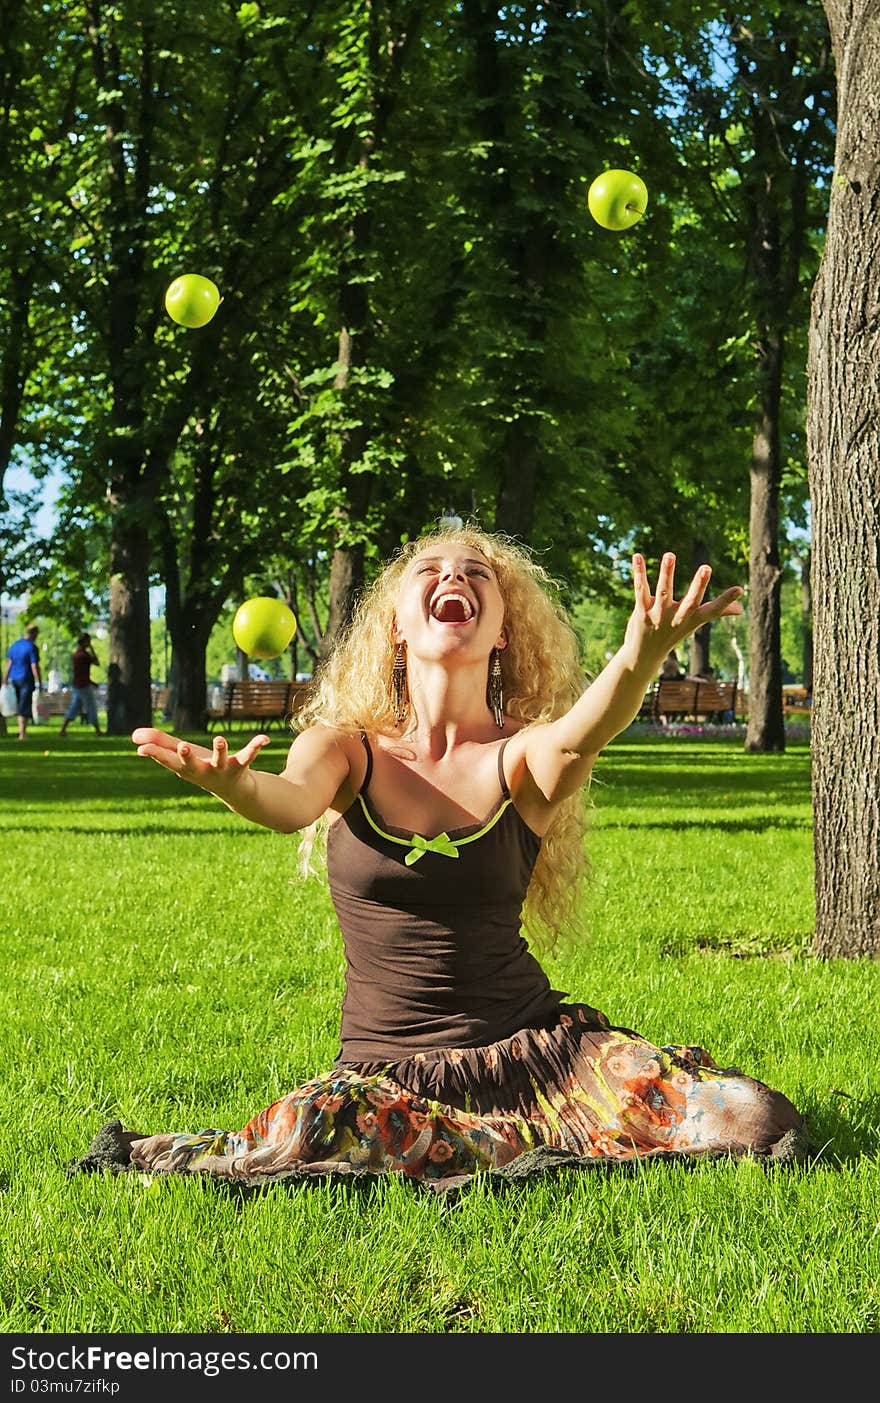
(659, 621)
(215, 769)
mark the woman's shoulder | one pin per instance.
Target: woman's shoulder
(327, 748)
(320, 733)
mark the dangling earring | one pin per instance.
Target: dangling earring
(494, 695)
(399, 697)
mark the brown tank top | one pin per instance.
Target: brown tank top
(434, 951)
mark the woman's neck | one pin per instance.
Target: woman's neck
(451, 711)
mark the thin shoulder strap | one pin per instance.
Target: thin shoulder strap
(504, 789)
(369, 761)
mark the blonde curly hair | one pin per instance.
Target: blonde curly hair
(542, 678)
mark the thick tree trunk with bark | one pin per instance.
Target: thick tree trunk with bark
(128, 674)
(843, 436)
(129, 694)
(189, 622)
(191, 690)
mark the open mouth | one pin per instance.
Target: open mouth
(453, 611)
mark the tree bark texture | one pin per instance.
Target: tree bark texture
(191, 690)
(129, 695)
(843, 442)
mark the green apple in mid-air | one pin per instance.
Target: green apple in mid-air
(263, 626)
(192, 300)
(617, 199)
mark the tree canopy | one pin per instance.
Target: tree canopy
(418, 311)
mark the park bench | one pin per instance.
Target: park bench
(689, 699)
(680, 700)
(264, 702)
(795, 697)
(53, 703)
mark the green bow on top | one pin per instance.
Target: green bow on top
(441, 844)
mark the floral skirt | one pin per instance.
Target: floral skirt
(579, 1087)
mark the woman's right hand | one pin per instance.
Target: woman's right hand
(214, 770)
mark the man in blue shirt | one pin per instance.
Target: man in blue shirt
(23, 671)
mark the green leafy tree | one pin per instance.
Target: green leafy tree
(37, 111)
(759, 87)
(184, 144)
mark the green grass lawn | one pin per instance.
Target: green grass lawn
(163, 964)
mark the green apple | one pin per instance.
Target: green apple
(263, 626)
(617, 199)
(192, 300)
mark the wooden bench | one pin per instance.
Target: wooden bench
(53, 703)
(795, 697)
(688, 698)
(266, 702)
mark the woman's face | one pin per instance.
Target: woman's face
(448, 602)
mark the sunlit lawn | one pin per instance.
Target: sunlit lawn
(164, 965)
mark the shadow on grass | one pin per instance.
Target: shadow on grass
(542, 1163)
(106, 768)
(54, 771)
(847, 1135)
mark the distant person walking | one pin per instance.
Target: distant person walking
(84, 702)
(23, 672)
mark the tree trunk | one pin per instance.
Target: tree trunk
(766, 725)
(843, 438)
(346, 583)
(699, 650)
(347, 562)
(774, 187)
(13, 368)
(699, 642)
(515, 509)
(288, 594)
(191, 691)
(538, 255)
(129, 694)
(391, 38)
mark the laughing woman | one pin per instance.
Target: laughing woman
(442, 756)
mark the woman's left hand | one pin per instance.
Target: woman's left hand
(659, 622)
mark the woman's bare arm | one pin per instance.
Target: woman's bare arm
(316, 767)
(560, 754)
